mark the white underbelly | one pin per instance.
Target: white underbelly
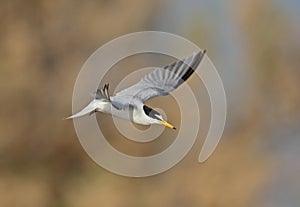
(133, 115)
(123, 114)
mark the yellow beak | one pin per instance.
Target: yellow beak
(167, 124)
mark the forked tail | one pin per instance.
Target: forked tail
(100, 94)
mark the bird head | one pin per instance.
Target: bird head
(156, 117)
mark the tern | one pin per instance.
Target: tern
(130, 102)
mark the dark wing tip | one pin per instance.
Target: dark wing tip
(103, 93)
(193, 65)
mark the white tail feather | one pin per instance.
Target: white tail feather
(90, 108)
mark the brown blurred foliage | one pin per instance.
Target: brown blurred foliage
(43, 45)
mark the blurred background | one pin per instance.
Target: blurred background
(253, 44)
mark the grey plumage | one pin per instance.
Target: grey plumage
(129, 103)
(160, 82)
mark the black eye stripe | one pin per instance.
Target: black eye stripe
(151, 112)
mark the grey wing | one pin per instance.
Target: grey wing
(159, 82)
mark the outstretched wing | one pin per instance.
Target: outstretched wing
(160, 82)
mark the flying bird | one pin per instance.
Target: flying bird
(130, 103)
